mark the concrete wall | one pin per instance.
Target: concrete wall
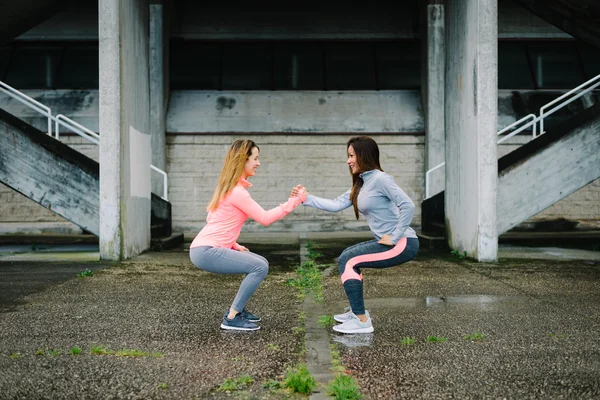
(295, 112)
(316, 161)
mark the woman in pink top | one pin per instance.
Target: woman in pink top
(215, 248)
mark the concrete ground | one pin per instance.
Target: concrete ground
(534, 318)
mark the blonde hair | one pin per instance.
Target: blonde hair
(233, 168)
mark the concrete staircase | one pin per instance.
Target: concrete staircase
(536, 175)
(63, 180)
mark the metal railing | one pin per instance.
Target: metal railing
(28, 101)
(564, 96)
(533, 120)
(75, 127)
(61, 120)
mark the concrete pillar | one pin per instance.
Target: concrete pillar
(471, 127)
(125, 145)
(159, 89)
(433, 37)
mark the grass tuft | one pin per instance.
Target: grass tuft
(407, 341)
(86, 273)
(344, 387)
(436, 339)
(101, 351)
(232, 384)
(299, 380)
(326, 321)
(475, 336)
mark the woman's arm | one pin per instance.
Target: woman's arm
(402, 201)
(241, 198)
(338, 204)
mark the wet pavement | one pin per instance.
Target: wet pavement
(534, 321)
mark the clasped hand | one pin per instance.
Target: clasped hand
(296, 189)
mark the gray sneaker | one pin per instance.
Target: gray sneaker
(346, 315)
(239, 323)
(246, 314)
(249, 316)
(354, 325)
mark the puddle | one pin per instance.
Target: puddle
(282, 257)
(480, 302)
(358, 340)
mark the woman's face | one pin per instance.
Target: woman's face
(352, 160)
(252, 163)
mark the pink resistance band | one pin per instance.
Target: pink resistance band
(349, 272)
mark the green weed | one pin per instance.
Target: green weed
(15, 356)
(461, 256)
(313, 255)
(344, 387)
(558, 335)
(407, 341)
(272, 384)
(87, 272)
(75, 350)
(162, 386)
(326, 321)
(228, 385)
(435, 339)
(53, 352)
(231, 384)
(273, 347)
(299, 380)
(336, 361)
(101, 351)
(40, 353)
(308, 280)
(298, 330)
(475, 336)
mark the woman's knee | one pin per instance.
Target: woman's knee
(261, 268)
(343, 260)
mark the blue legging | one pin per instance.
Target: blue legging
(371, 255)
(227, 261)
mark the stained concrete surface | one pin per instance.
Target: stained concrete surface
(540, 319)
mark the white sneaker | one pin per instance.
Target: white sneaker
(346, 315)
(354, 325)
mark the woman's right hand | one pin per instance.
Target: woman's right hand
(299, 192)
(296, 189)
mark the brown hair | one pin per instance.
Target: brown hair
(233, 168)
(367, 157)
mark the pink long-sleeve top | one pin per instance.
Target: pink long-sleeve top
(225, 223)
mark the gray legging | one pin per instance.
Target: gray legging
(227, 261)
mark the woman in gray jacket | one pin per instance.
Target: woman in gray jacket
(388, 211)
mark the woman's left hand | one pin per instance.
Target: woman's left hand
(242, 248)
(386, 239)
